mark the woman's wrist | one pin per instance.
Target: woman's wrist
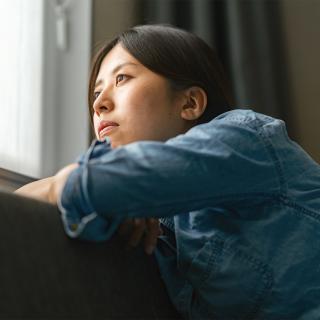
(58, 182)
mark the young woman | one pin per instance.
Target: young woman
(238, 201)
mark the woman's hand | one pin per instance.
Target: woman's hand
(137, 228)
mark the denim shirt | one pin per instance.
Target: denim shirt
(240, 205)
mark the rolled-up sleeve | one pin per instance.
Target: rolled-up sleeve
(78, 214)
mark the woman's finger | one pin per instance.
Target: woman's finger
(138, 229)
(153, 231)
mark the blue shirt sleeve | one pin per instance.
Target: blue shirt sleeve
(225, 160)
(81, 220)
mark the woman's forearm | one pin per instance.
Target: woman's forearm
(39, 189)
(47, 189)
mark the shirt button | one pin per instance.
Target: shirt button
(73, 226)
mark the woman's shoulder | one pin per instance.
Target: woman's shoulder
(242, 121)
(247, 117)
(248, 122)
(243, 130)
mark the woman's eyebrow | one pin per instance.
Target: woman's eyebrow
(118, 67)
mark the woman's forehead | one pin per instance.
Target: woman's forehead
(117, 57)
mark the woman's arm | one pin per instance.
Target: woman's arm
(211, 164)
(136, 230)
(38, 189)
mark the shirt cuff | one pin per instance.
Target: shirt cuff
(78, 215)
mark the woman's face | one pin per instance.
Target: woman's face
(133, 103)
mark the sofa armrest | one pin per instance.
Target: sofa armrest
(46, 275)
(10, 180)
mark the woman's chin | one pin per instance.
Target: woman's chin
(114, 144)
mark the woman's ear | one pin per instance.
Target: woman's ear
(195, 103)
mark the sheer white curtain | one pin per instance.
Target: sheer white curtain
(20, 85)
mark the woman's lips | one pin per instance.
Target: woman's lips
(106, 131)
(105, 128)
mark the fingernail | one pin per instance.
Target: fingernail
(149, 249)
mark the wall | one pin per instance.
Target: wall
(65, 72)
(302, 30)
(111, 17)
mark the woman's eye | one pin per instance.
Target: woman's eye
(96, 95)
(120, 77)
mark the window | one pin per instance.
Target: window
(20, 84)
(43, 115)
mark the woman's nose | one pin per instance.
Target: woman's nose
(103, 103)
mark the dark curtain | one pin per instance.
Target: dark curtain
(248, 36)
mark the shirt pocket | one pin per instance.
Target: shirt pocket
(228, 282)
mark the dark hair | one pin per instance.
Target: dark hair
(178, 55)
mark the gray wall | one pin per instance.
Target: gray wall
(110, 17)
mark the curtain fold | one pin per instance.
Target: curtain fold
(255, 52)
